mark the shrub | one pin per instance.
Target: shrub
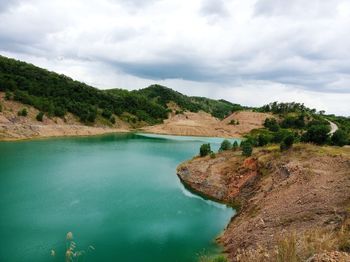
(212, 155)
(205, 150)
(40, 116)
(23, 112)
(317, 134)
(287, 142)
(112, 119)
(225, 145)
(107, 114)
(263, 140)
(234, 145)
(339, 138)
(8, 95)
(271, 124)
(247, 148)
(232, 122)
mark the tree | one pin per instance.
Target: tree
(317, 134)
(205, 150)
(339, 138)
(225, 145)
(287, 142)
(40, 116)
(22, 112)
(263, 140)
(247, 148)
(112, 119)
(8, 95)
(235, 145)
(271, 124)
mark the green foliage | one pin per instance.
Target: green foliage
(284, 108)
(57, 94)
(297, 122)
(235, 146)
(271, 124)
(247, 148)
(287, 142)
(318, 134)
(112, 119)
(225, 145)
(339, 138)
(8, 95)
(40, 116)
(205, 150)
(163, 95)
(22, 112)
(263, 139)
(212, 155)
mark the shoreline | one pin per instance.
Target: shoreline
(259, 187)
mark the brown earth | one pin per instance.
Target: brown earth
(14, 127)
(304, 191)
(204, 124)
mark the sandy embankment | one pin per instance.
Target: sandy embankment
(303, 190)
(203, 124)
(14, 127)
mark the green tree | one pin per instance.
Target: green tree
(317, 134)
(112, 119)
(205, 150)
(287, 142)
(225, 145)
(339, 138)
(23, 112)
(247, 148)
(235, 145)
(8, 95)
(40, 116)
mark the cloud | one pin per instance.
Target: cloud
(215, 8)
(195, 46)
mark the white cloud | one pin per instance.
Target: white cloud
(297, 49)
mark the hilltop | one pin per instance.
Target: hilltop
(68, 107)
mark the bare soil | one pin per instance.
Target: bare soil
(204, 124)
(277, 193)
(14, 127)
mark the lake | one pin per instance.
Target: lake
(118, 194)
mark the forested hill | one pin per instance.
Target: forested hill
(56, 94)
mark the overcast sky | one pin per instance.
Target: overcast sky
(246, 51)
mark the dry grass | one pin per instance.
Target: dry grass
(294, 248)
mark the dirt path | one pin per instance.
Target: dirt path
(334, 127)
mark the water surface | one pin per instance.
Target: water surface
(117, 193)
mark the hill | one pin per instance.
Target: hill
(55, 95)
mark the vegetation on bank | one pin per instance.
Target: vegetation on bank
(55, 95)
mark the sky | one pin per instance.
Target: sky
(246, 51)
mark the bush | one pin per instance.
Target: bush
(204, 150)
(107, 114)
(317, 134)
(287, 142)
(247, 148)
(40, 116)
(22, 112)
(212, 155)
(271, 124)
(112, 119)
(263, 140)
(8, 95)
(234, 145)
(225, 145)
(339, 138)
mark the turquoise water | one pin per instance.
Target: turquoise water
(117, 193)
